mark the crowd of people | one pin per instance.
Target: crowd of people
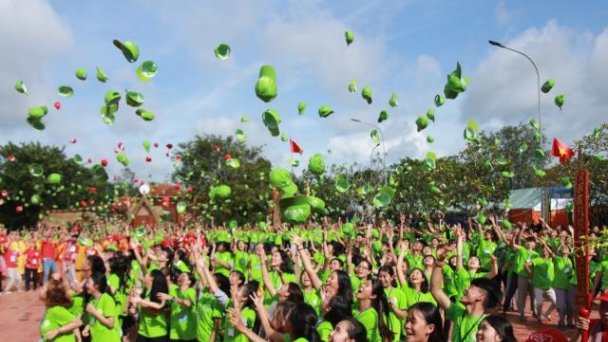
(330, 282)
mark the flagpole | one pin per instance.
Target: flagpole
(383, 146)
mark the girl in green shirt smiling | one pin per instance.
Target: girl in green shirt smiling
(152, 319)
(103, 321)
(373, 311)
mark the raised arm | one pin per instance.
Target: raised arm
(437, 281)
(400, 275)
(306, 262)
(259, 250)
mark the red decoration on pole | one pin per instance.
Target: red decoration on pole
(581, 242)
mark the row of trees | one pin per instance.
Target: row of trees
(478, 178)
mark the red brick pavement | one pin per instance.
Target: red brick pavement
(20, 315)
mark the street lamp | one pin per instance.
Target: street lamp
(497, 44)
(381, 138)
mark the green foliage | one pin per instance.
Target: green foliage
(34, 195)
(203, 166)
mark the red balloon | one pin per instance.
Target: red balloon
(58, 105)
(148, 159)
(11, 158)
(227, 156)
(83, 203)
(104, 162)
(155, 145)
(178, 186)
(19, 208)
(216, 148)
(169, 145)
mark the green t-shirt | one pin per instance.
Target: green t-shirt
(324, 328)
(412, 296)
(120, 295)
(522, 256)
(484, 253)
(225, 258)
(99, 332)
(208, 310)
(396, 296)
(311, 297)
(465, 326)
(542, 273)
(241, 259)
(233, 335)
(463, 279)
(152, 323)
(255, 267)
(183, 319)
(55, 318)
(449, 282)
(415, 261)
(77, 308)
(276, 280)
(369, 319)
(563, 273)
(604, 269)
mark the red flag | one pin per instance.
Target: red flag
(295, 148)
(560, 150)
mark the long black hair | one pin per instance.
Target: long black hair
(159, 285)
(380, 304)
(339, 308)
(356, 331)
(431, 315)
(304, 322)
(345, 286)
(119, 265)
(502, 326)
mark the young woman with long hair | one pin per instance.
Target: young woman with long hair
(103, 323)
(152, 319)
(182, 301)
(348, 330)
(373, 311)
(396, 300)
(495, 328)
(335, 309)
(424, 323)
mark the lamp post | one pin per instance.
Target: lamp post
(381, 139)
(543, 206)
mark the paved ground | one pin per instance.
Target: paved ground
(20, 315)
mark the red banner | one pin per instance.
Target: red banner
(581, 236)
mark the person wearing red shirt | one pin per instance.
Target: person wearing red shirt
(68, 257)
(48, 252)
(598, 328)
(10, 257)
(32, 263)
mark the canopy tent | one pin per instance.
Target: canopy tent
(526, 206)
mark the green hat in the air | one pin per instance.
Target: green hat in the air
(266, 86)
(272, 120)
(295, 209)
(325, 111)
(129, 49)
(366, 93)
(316, 164)
(279, 177)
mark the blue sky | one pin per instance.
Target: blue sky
(406, 47)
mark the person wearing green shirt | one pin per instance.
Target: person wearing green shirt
(486, 248)
(564, 285)
(281, 271)
(241, 257)
(222, 259)
(523, 255)
(371, 299)
(483, 295)
(58, 323)
(541, 270)
(103, 321)
(182, 302)
(396, 300)
(152, 319)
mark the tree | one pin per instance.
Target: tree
(206, 162)
(29, 189)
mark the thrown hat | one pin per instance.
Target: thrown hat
(352, 86)
(244, 118)
(431, 114)
(349, 37)
(301, 107)
(455, 84)
(101, 75)
(551, 335)
(272, 120)
(421, 123)
(393, 100)
(36, 170)
(146, 115)
(384, 197)
(147, 70)
(366, 93)
(266, 86)
(129, 49)
(295, 209)
(240, 135)
(81, 74)
(123, 159)
(54, 178)
(134, 99)
(20, 87)
(325, 111)
(36, 113)
(222, 52)
(65, 91)
(316, 164)
(279, 177)
(559, 100)
(317, 204)
(342, 183)
(383, 116)
(439, 100)
(548, 85)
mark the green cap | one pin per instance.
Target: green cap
(301, 107)
(240, 135)
(481, 218)
(36, 124)
(81, 74)
(112, 98)
(279, 177)
(146, 115)
(349, 37)
(284, 137)
(393, 101)
(146, 71)
(37, 113)
(122, 158)
(272, 120)
(316, 164)
(295, 209)
(36, 170)
(430, 139)
(134, 99)
(431, 114)
(244, 118)
(348, 230)
(566, 182)
(65, 91)
(384, 197)
(20, 87)
(266, 86)
(342, 183)
(222, 52)
(421, 123)
(129, 50)
(317, 204)
(383, 116)
(146, 145)
(548, 85)
(86, 242)
(559, 100)
(439, 100)
(455, 84)
(54, 178)
(375, 135)
(101, 75)
(325, 111)
(366, 93)
(352, 86)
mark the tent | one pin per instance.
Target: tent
(526, 206)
